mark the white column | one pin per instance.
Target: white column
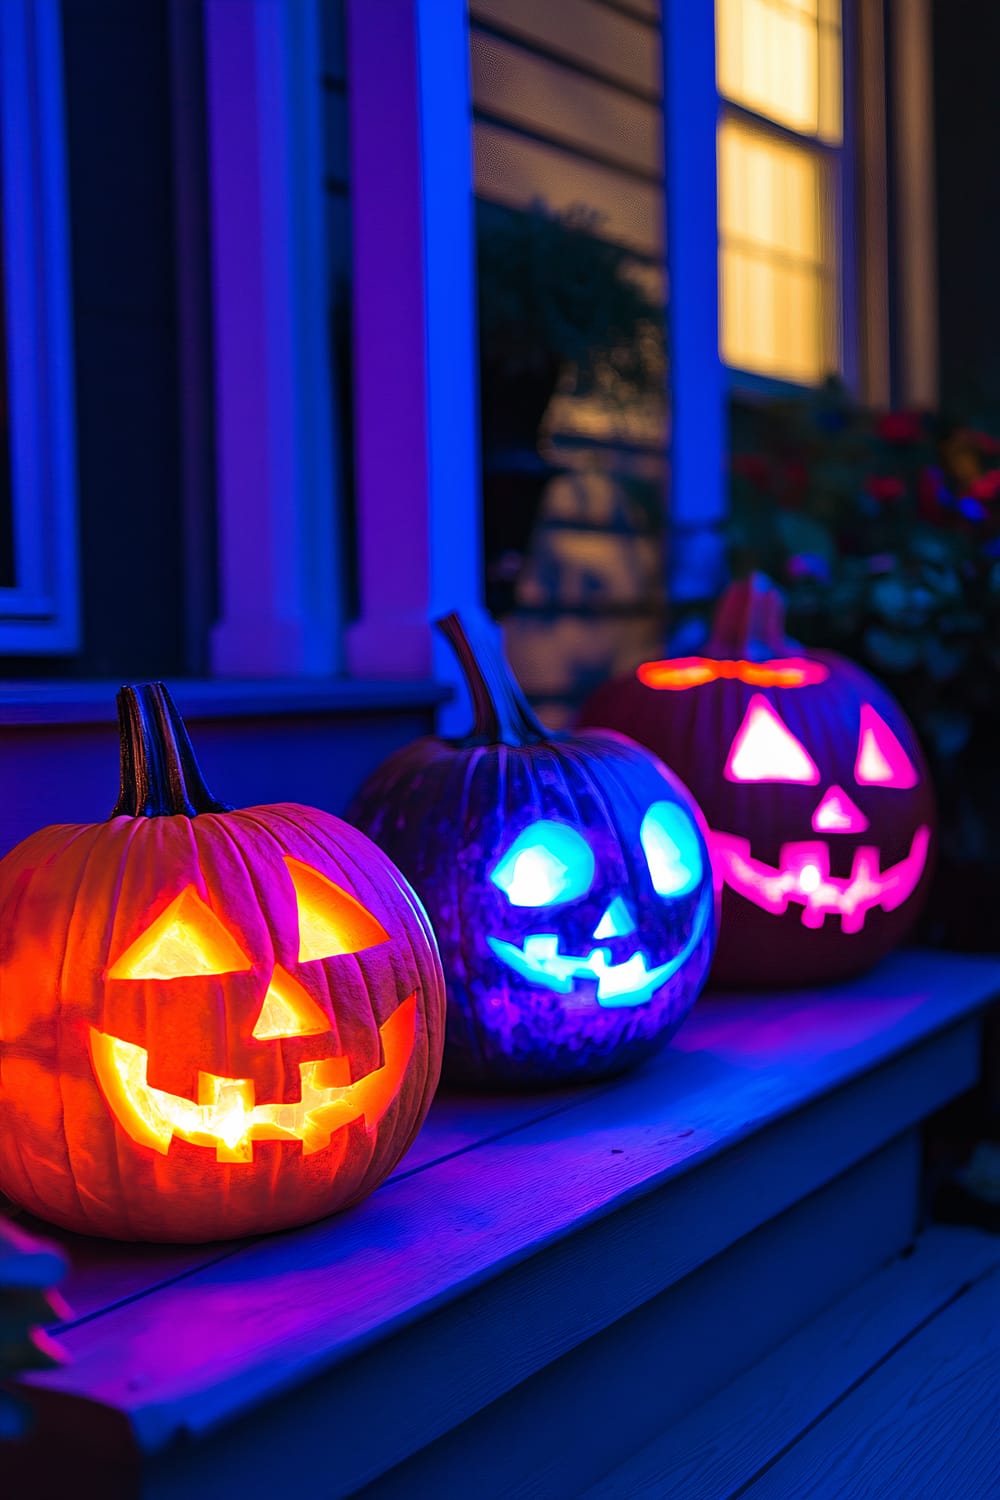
(415, 367)
(699, 420)
(278, 557)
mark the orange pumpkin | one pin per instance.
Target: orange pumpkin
(212, 1023)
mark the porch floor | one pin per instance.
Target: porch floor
(894, 1391)
(553, 1287)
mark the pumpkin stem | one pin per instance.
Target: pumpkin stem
(502, 714)
(749, 623)
(160, 776)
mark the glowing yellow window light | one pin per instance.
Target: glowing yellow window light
(774, 277)
(783, 60)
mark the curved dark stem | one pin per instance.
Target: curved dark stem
(750, 622)
(160, 776)
(502, 714)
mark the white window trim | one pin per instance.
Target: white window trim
(41, 613)
(280, 596)
(415, 410)
(698, 378)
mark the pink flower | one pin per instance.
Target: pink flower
(885, 488)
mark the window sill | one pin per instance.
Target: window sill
(93, 702)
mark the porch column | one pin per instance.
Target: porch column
(278, 560)
(415, 371)
(911, 65)
(699, 424)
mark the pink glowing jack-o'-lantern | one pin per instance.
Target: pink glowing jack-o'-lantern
(813, 784)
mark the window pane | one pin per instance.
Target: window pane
(777, 59)
(7, 578)
(775, 273)
(773, 317)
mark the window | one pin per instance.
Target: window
(779, 71)
(38, 582)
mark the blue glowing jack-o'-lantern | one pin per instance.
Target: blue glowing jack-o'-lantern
(568, 880)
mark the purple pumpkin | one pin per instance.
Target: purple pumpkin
(818, 799)
(567, 878)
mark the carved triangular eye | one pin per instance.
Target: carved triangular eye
(331, 922)
(881, 759)
(765, 749)
(186, 939)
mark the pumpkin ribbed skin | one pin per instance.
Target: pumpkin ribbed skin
(693, 729)
(74, 898)
(446, 812)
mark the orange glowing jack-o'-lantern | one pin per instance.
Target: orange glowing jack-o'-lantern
(816, 793)
(211, 1022)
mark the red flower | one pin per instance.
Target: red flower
(754, 468)
(900, 426)
(794, 484)
(929, 488)
(987, 486)
(885, 488)
(984, 441)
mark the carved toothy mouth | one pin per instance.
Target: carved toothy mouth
(803, 876)
(226, 1116)
(629, 983)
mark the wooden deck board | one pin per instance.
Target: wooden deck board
(105, 1274)
(925, 1424)
(718, 1449)
(491, 1188)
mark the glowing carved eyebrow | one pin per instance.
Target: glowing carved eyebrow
(331, 921)
(695, 671)
(184, 940)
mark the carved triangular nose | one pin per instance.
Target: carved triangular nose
(836, 813)
(618, 920)
(288, 1010)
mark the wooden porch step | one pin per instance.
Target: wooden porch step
(545, 1285)
(893, 1391)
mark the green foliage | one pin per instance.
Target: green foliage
(884, 533)
(553, 292)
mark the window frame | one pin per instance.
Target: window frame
(840, 215)
(41, 614)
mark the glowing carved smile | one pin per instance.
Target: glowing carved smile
(803, 876)
(628, 983)
(226, 1116)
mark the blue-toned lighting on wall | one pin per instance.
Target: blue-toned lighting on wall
(547, 863)
(670, 844)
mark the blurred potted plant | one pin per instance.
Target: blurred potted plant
(560, 306)
(884, 531)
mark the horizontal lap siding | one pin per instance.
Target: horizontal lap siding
(568, 109)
